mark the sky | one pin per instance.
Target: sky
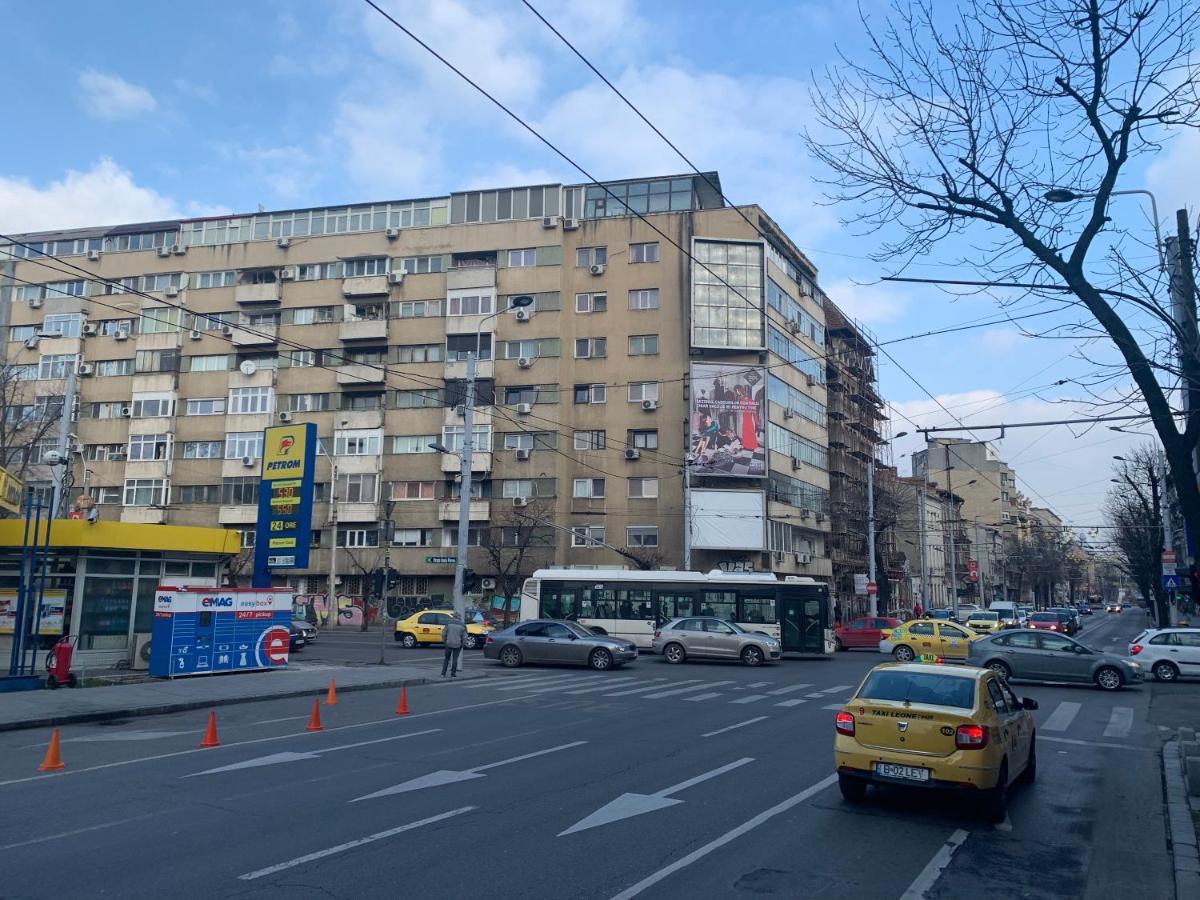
(139, 111)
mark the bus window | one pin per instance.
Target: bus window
(758, 609)
(598, 604)
(568, 603)
(552, 606)
(673, 605)
(634, 604)
(722, 604)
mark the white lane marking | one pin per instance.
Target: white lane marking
(732, 835)
(267, 722)
(350, 845)
(834, 706)
(815, 696)
(751, 699)
(304, 735)
(643, 690)
(759, 683)
(66, 834)
(732, 727)
(447, 776)
(1120, 722)
(934, 868)
(610, 683)
(1062, 717)
(556, 681)
(686, 690)
(628, 805)
(791, 702)
(1110, 746)
(789, 689)
(840, 687)
(700, 697)
(582, 682)
(500, 680)
(290, 756)
(123, 736)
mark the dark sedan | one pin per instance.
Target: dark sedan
(557, 642)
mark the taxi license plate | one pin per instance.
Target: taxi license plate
(908, 773)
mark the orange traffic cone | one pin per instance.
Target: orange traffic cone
(314, 721)
(331, 694)
(53, 760)
(402, 706)
(210, 733)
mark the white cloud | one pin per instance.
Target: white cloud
(1000, 340)
(389, 155)
(104, 194)
(871, 304)
(111, 98)
(1175, 174)
(289, 171)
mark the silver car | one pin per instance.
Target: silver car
(713, 638)
(1047, 656)
(555, 641)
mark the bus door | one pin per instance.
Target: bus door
(670, 604)
(800, 624)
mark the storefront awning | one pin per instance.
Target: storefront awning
(82, 534)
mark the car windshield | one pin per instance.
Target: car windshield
(919, 687)
(1045, 617)
(985, 616)
(578, 629)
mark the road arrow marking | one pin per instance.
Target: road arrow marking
(629, 805)
(447, 776)
(288, 756)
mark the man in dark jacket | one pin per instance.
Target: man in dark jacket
(452, 637)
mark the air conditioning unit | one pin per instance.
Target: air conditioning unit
(520, 501)
(247, 461)
(598, 269)
(522, 315)
(811, 380)
(195, 335)
(550, 222)
(179, 250)
(93, 255)
(788, 413)
(126, 413)
(283, 243)
(31, 342)
(288, 273)
(633, 453)
(227, 330)
(141, 652)
(522, 453)
(35, 303)
(171, 291)
(525, 362)
(570, 224)
(793, 326)
(121, 335)
(649, 405)
(524, 409)
(487, 584)
(805, 513)
(396, 277)
(803, 559)
(392, 234)
(285, 416)
(85, 369)
(796, 464)
(90, 330)
(460, 410)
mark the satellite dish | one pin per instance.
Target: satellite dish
(248, 368)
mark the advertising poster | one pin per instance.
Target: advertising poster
(54, 605)
(728, 420)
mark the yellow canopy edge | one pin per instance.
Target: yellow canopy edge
(126, 536)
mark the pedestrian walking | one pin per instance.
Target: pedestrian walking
(452, 637)
(917, 611)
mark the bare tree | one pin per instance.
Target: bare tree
(1134, 509)
(515, 545)
(969, 122)
(27, 420)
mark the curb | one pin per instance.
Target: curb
(186, 705)
(1180, 826)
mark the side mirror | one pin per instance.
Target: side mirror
(1081, 650)
(574, 636)
(1029, 703)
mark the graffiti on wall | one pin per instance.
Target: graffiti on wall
(314, 608)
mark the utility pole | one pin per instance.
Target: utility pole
(980, 581)
(872, 598)
(952, 523)
(464, 492)
(687, 506)
(922, 499)
(63, 446)
(332, 614)
(385, 527)
(1183, 311)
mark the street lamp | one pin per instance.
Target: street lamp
(1066, 195)
(1120, 459)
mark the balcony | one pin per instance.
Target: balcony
(359, 373)
(365, 286)
(238, 515)
(479, 510)
(480, 462)
(254, 335)
(257, 293)
(363, 330)
(357, 512)
(144, 515)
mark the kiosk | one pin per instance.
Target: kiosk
(199, 631)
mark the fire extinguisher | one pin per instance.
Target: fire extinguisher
(58, 663)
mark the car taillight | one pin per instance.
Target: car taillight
(971, 737)
(488, 639)
(657, 633)
(1054, 628)
(1135, 649)
(844, 722)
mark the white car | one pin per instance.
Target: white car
(1168, 653)
(965, 611)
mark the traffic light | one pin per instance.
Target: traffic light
(470, 581)
(377, 583)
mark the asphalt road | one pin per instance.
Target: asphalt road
(706, 780)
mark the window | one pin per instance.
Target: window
(590, 440)
(148, 446)
(110, 410)
(413, 537)
(643, 390)
(63, 324)
(521, 258)
(359, 268)
(418, 399)
(22, 332)
(105, 495)
(797, 447)
(239, 444)
(422, 265)
(418, 309)
(588, 488)
(302, 359)
(357, 442)
(413, 443)
(198, 493)
(727, 294)
(362, 400)
(642, 536)
(55, 365)
(644, 298)
(481, 439)
(108, 367)
(459, 347)
(591, 393)
(795, 492)
(306, 402)
(470, 304)
(146, 492)
(419, 353)
(239, 491)
(109, 327)
(643, 253)
(474, 537)
(643, 345)
(591, 303)
(412, 490)
(783, 346)
(517, 487)
(532, 349)
(151, 406)
(643, 488)
(646, 439)
(530, 393)
(924, 629)
(358, 537)
(778, 391)
(207, 363)
(586, 257)
(591, 348)
(357, 487)
(205, 280)
(156, 361)
(99, 452)
(207, 407)
(160, 321)
(203, 449)
(587, 536)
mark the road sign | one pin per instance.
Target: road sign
(285, 497)
(972, 570)
(441, 560)
(1168, 557)
(872, 588)
(1170, 582)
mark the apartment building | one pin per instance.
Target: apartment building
(661, 402)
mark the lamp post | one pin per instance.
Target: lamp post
(1066, 195)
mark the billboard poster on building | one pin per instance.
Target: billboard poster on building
(728, 420)
(54, 605)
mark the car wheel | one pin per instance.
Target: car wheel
(674, 653)
(510, 657)
(600, 660)
(904, 654)
(1030, 773)
(1000, 668)
(1109, 678)
(838, 646)
(470, 642)
(1165, 671)
(853, 789)
(995, 804)
(409, 640)
(752, 656)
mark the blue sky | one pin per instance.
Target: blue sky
(140, 110)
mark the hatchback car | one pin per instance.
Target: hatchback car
(1045, 656)
(426, 627)
(1169, 653)
(557, 642)
(936, 728)
(927, 640)
(1052, 621)
(862, 632)
(707, 637)
(984, 621)
(306, 629)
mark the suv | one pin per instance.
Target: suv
(1169, 653)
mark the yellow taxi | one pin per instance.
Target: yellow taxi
(426, 627)
(983, 621)
(927, 640)
(938, 728)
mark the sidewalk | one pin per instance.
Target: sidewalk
(35, 709)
